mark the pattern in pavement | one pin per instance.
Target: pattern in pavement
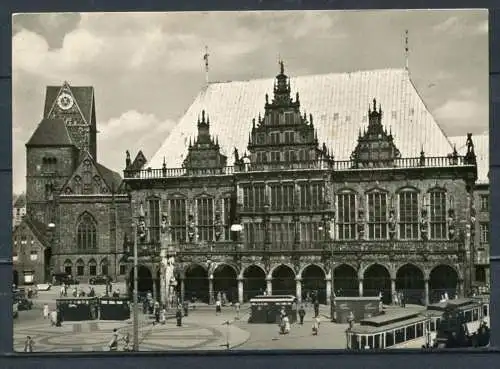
(95, 336)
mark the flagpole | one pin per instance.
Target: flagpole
(205, 57)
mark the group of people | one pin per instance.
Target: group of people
(115, 340)
(398, 299)
(54, 316)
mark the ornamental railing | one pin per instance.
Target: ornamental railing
(324, 247)
(342, 165)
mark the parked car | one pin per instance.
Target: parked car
(100, 279)
(24, 304)
(63, 278)
(44, 287)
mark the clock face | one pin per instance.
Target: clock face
(65, 101)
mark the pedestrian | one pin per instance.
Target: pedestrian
(58, 317)
(46, 311)
(302, 314)
(286, 324)
(126, 340)
(316, 307)
(178, 316)
(53, 318)
(113, 343)
(218, 308)
(28, 344)
(185, 306)
(315, 326)
(237, 308)
(403, 300)
(163, 315)
(62, 290)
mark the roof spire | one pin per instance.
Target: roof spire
(407, 51)
(205, 57)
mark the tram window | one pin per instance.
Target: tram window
(432, 325)
(410, 332)
(355, 342)
(363, 342)
(420, 329)
(475, 315)
(370, 341)
(377, 341)
(438, 322)
(400, 335)
(485, 310)
(468, 316)
(389, 339)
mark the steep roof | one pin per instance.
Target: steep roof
(38, 229)
(339, 104)
(50, 132)
(112, 179)
(482, 150)
(84, 96)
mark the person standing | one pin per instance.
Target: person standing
(46, 311)
(113, 343)
(28, 344)
(315, 326)
(163, 315)
(218, 308)
(178, 316)
(237, 308)
(316, 307)
(302, 314)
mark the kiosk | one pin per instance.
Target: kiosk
(267, 309)
(114, 308)
(75, 309)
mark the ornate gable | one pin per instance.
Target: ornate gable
(76, 109)
(204, 153)
(375, 146)
(90, 178)
(284, 135)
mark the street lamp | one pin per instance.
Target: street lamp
(49, 268)
(266, 220)
(139, 230)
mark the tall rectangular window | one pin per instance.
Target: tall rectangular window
(205, 212)
(289, 137)
(254, 235)
(259, 196)
(408, 215)
(275, 156)
(178, 221)
(276, 198)
(254, 197)
(248, 197)
(226, 217)
(346, 203)
(154, 219)
(484, 232)
(310, 233)
(438, 215)
(377, 216)
(311, 196)
(274, 138)
(288, 196)
(289, 118)
(485, 203)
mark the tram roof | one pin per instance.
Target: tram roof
(390, 317)
(368, 329)
(457, 304)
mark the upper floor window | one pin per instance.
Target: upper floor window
(377, 215)
(303, 155)
(311, 195)
(289, 137)
(33, 255)
(484, 232)
(254, 197)
(49, 164)
(275, 156)
(205, 212)
(226, 217)
(86, 233)
(485, 203)
(254, 235)
(289, 118)
(290, 156)
(80, 267)
(438, 215)
(346, 221)
(178, 221)
(261, 138)
(154, 219)
(261, 157)
(274, 138)
(408, 215)
(282, 196)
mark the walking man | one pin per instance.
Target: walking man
(302, 314)
(28, 344)
(113, 344)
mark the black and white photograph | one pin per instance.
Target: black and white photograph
(250, 180)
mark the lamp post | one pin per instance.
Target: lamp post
(49, 268)
(139, 230)
(266, 219)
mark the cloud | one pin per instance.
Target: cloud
(457, 25)
(131, 122)
(459, 109)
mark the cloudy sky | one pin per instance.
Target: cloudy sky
(147, 68)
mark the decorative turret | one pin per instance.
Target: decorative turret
(204, 152)
(376, 146)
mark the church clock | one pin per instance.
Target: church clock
(65, 101)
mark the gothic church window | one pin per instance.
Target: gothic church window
(92, 267)
(97, 183)
(346, 210)
(86, 233)
(77, 185)
(178, 221)
(68, 267)
(154, 219)
(438, 215)
(87, 182)
(377, 215)
(408, 215)
(205, 210)
(104, 266)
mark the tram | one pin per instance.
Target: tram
(451, 324)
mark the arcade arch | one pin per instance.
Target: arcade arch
(144, 281)
(410, 280)
(314, 283)
(283, 280)
(443, 278)
(225, 280)
(377, 279)
(196, 283)
(254, 282)
(345, 281)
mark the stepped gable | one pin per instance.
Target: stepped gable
(338, 103)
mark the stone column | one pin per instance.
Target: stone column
(155, 290)
(298, 289)
(163, 288)
(183, 290)
(360, 287)
(329, 288)
(393, 289)
(240, 290)
(211, 290)
(460, 288)
(269, 286)
(426, 285)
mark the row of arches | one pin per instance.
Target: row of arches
(345, 282)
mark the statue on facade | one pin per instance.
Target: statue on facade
(361, 224)
(128, 161)
(392, 224)
(424, 226)
(451, 224)
(218, 227)
(191, 229)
